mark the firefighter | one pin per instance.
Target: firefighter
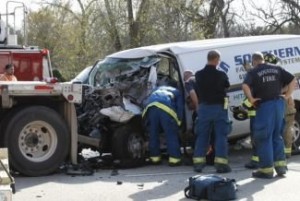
(192, 103)
(263, 85)
(211, 85)
(290, 112)
(9, 73)
(164, 110)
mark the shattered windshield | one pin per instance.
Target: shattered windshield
(112, 71)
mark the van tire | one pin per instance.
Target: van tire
(296, 135)
(38, 140)
(128, 147)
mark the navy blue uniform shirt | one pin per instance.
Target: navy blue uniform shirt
(267, 80)
(211, 85)
(168, 96)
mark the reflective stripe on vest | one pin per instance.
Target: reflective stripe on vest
(165, 108)
(221, 160)
(199, 160)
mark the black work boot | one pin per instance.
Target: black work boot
(222, 168)
(262, 175)
(198, 167)
(281, 171)
(251, 165)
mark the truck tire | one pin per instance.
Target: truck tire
(128, 147)
(38, 140)
(296, 135)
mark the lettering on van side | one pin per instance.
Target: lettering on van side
(283, 53)
(223, 67)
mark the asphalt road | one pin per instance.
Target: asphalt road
(156, 183)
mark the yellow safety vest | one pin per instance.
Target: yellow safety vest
(165, 108)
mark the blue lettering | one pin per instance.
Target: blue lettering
(289, 52)
(224, 66)
(281, 53)
(241, 59)
(297, 51)
(238, 60)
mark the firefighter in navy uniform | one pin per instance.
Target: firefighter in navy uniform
(290, 112)
(164, 111)
(262, 86)
(211, 85)
(192, 103)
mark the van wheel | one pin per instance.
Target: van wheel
(38, 141)
(296, 135)
(128, 147)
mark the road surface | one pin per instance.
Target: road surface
(156, 183)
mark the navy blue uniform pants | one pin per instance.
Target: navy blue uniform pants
(157, 120)
(267, 135)
(209, 115)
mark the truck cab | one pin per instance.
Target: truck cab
(31, 63)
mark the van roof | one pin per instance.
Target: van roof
(196, 45)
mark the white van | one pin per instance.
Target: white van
(130, 69)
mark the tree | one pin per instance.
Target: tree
(82, 31)
(279, 16)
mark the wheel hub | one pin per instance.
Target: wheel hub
(31, 140)
(37, 141)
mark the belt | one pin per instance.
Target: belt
(269, 99)
(213, 103)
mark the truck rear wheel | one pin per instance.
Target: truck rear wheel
(38, 141)
(128, 147)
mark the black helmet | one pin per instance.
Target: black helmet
(271, 58)
(239, 113)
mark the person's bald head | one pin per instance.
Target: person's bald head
(187, 75)
(257, 58)
(213, 57)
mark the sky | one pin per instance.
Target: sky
(18, 9)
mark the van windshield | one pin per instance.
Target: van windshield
(111, 71)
